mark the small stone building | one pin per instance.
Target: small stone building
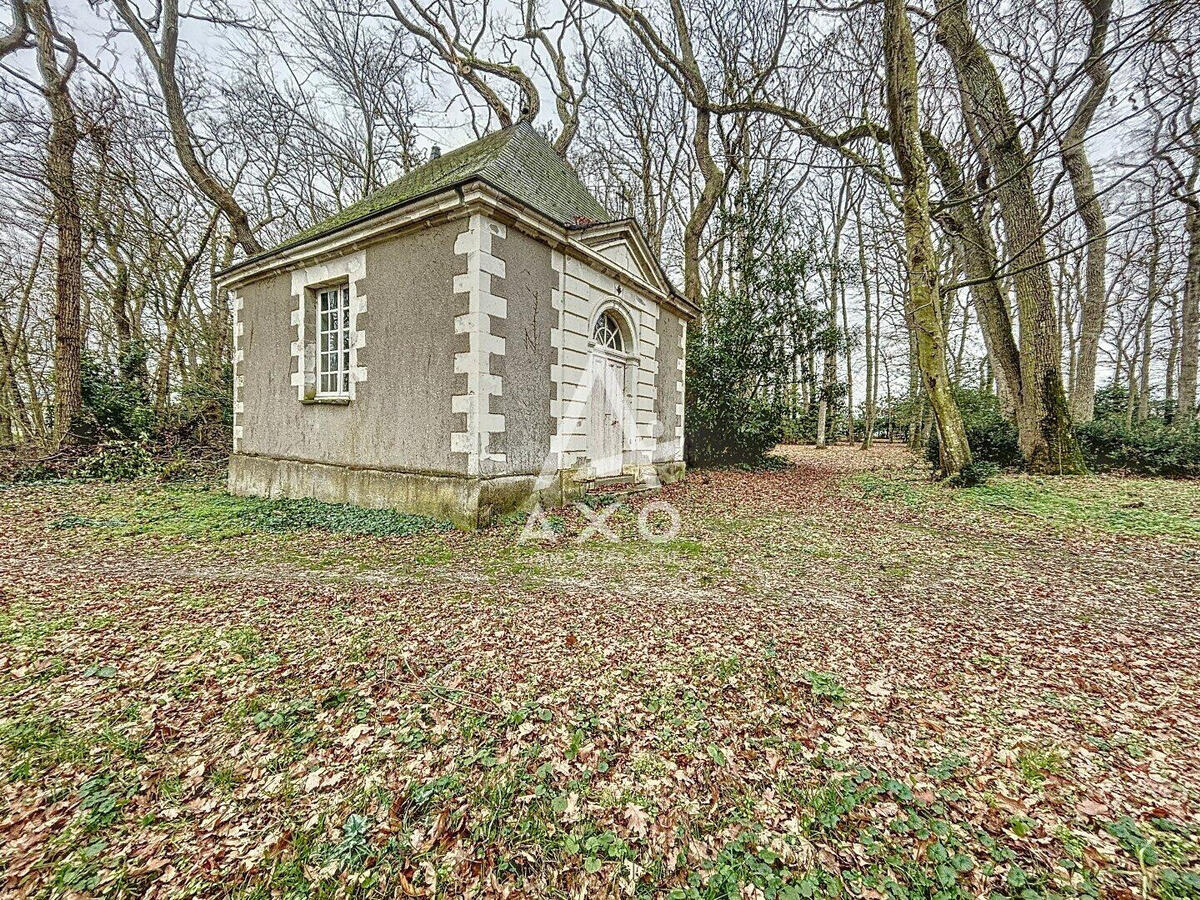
(477, 334)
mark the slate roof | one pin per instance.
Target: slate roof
(517, 160)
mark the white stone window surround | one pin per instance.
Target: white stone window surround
(349, 271)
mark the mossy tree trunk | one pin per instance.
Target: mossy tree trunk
(60, 179)
(1189, 332)
(1048, 440)
(924, 302)
(1083, 185)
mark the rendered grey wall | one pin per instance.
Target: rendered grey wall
(400, 418)
(670, 329)
(528, 281)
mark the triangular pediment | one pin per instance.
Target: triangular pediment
(622, 244)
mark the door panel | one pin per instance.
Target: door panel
(606, 441)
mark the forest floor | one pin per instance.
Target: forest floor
(838, 678)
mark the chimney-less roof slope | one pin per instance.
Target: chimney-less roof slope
(517, 160)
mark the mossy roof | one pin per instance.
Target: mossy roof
(517, 160)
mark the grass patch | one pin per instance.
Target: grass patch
(204, 511)
(1122, 506)
(1117, 506)
(38, 742)
(22, 625)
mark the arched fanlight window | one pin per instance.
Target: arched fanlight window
(607, 333)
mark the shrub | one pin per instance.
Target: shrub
(177, 468)
(203, 414)
(728, 426)
(1148, 448)
(1111, 402)
(800, 426)
(975, 474)
(992, 437)
(117, 461)
(116, 402)
(38, 470)
(747, 342)
(728, 419)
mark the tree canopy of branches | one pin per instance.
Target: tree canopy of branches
(1037, 162)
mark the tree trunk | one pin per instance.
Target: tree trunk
(981, 265)
(1189, 331)
(1048, 441)
(1075, 161)
(20, 414)
(60, 178)
(1152, 294)
(868, 337)
(1131, 395)
(1172, 361)
(900, 61)
(1143, 410)
(849, 369)
(828, 370)
(693, 232)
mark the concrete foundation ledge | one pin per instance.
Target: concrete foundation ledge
(671, 471)
(468, 503)
(449, 498)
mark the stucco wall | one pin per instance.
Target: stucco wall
(527, 289)
(400, 417)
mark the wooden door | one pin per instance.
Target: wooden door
(606, 440)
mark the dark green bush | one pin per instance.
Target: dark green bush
(729, 419)
(733, 428)
(1111, 402)
(800, 426)
(117, 461)
(116, 401)
(992, 437)
(751, 333)
(1148, 448)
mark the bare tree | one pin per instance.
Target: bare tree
(162, 53)
(1087, 202)
(1172, 83)
(636, 138)
(924, 302)
(1048, 440)
(676, 56)
(60, 179)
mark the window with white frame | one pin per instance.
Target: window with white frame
(333, 341)
(607, 333)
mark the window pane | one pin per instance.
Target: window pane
(333, 340)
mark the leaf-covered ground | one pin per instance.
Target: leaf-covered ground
(838, 679)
